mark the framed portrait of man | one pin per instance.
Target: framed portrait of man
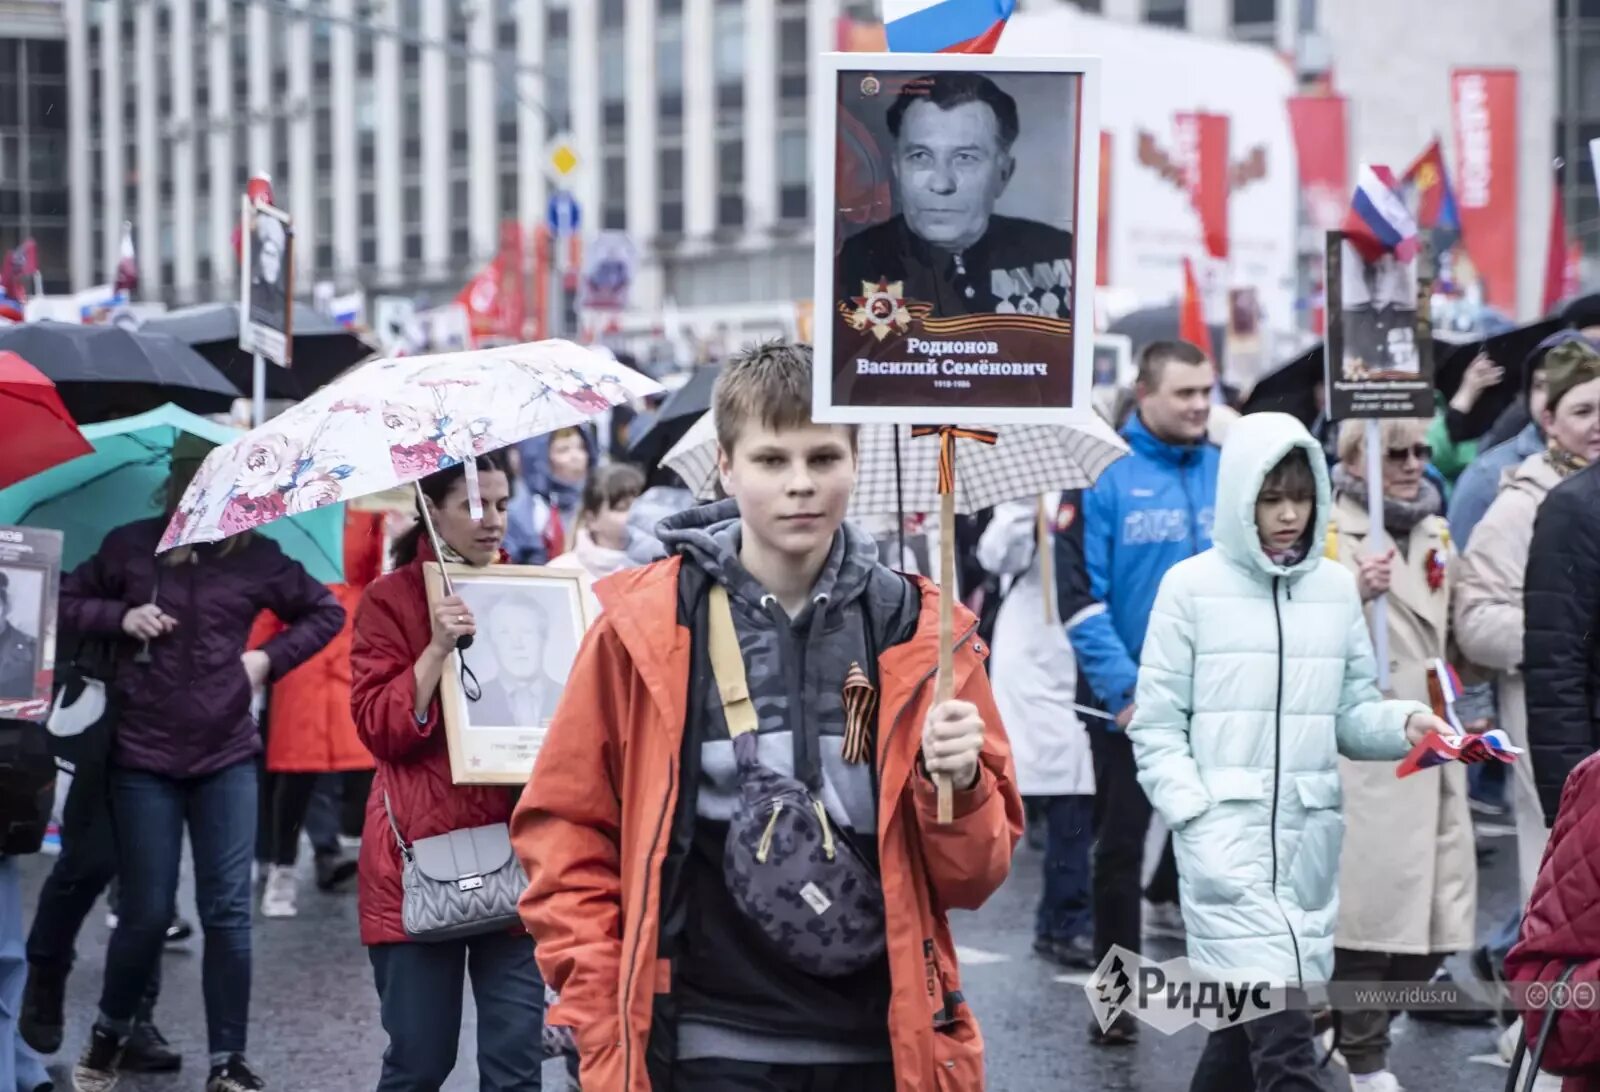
(1379, 357)
(266, 282)
(499, 695)
(30, 574)
(955, 211)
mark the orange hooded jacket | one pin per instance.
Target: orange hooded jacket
(593, 900)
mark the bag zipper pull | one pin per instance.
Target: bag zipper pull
(827, 831)
(765, 847)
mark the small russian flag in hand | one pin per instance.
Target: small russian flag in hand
(945, 26)
(1444, 688)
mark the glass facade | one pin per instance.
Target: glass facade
(727, 36)
(33, 153)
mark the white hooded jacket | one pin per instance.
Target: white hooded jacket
(1033, 670)
(1255, 678)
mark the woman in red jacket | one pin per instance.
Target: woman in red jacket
(401, 650)
(1561, 929)
(310, 732)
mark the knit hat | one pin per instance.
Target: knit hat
(1568, 366)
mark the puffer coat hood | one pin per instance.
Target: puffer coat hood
(1256, 444)
(1255, 677)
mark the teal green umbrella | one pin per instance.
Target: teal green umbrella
(121, 481)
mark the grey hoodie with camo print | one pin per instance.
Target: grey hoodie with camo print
(739, 999)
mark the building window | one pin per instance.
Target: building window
(727, 51)
(555, 69)
(509, 195)
(614, 200)
(730, 182)
(1167, 13)
(793, 173)
(460, 244)
(669, 179)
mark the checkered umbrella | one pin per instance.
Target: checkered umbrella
(900, 472)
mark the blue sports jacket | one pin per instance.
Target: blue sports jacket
(1147, 512)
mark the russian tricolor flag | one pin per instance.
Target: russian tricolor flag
(945, 26)
(1378, 220)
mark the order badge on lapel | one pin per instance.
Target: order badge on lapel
(1437, 564)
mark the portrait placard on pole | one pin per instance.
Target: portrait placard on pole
(956, 199)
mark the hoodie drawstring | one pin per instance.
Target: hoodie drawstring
(798, 670)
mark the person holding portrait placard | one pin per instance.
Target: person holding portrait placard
(400, 651)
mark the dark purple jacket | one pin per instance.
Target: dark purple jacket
(186, 713)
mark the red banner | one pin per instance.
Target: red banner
(513, 304)
(1103, 239)
(542, 257)
(1321, 145)
(1203, 153)
(1483, 108)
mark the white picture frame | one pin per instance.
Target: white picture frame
(967, 388)
(517, 665)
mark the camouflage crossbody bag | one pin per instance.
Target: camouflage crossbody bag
(788, 870)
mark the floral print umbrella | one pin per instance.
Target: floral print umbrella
(393, 422)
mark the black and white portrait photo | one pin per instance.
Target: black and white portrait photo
(1378, 315)
(951, 144)
(30, 574)
(21, 597)
(952, 220)
(268, 281)
(524, 647)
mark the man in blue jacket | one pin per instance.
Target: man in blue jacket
(1147, 512)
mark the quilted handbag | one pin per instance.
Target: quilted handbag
(458, 884)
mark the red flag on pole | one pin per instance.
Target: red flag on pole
(1555, 262)
(1191, 315)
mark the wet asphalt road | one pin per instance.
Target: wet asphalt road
(314, 1025)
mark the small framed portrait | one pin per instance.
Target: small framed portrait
(499, 695)
(956, 199)
(266, 282)
(30, 573)
(1113, 361)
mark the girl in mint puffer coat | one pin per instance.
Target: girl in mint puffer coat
(1257, 673)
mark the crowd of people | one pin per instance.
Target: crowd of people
(1189, 639)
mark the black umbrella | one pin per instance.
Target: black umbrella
(1160, 324)
(107, 372)
(1509, 350)
(1290, 388)
(683, 407)
(1582, 312)
(322, 348)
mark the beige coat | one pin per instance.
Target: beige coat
(1408, 874)
(1488, 619)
